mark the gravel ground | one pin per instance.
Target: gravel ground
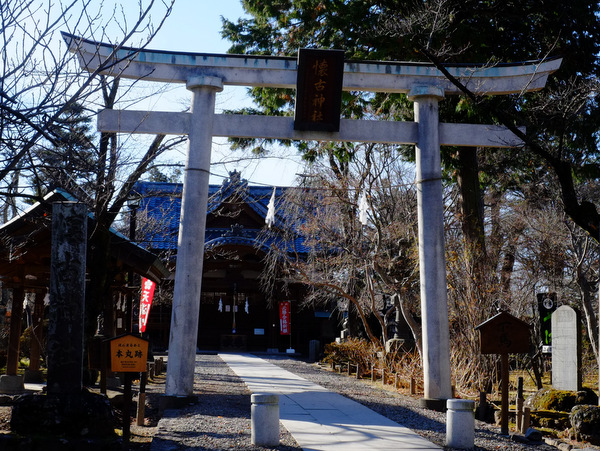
(401, 408)
(221, 418)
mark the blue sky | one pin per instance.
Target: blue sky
(194, 26)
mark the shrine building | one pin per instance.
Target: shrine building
(234, 312)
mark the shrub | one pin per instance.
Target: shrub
(407, 365)
(352, 350)
(560, 400)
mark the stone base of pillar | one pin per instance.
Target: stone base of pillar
(439, 405)
(34, 376)
(167, 402)
(80, 415)
(12, 385)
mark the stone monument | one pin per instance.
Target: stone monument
(566, 349)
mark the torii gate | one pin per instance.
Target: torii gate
(206, 74)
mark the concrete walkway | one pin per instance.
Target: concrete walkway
(319, 419)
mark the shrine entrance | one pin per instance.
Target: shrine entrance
(206, 74)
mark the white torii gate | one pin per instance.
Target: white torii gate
(206, 74)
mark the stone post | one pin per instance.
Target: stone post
(460, 423)
(67, 298)
(66, 410)
(314, 348)
(432, 263)
(566, 349)
(190, 252)
(264, 415)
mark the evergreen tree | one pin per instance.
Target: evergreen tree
(561, 154)
(70, 164)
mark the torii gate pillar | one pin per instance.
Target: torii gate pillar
(432, 262)
(190, 254)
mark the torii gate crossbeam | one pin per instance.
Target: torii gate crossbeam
(206, 74)
(280, 72)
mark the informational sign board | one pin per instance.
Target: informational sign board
(504, 334)
(319, 90)
(546, 306)
(128, 353)
(284, 317)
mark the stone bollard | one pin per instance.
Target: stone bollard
(460, 423)
(265, 419)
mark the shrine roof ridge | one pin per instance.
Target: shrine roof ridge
(280, 71)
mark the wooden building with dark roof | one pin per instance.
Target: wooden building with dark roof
(25, 271)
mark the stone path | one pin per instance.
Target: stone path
(319, 419)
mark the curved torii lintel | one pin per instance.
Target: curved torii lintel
(280, 72)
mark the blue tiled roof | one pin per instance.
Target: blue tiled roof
(162, 202)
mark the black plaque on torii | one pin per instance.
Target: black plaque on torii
(319, 90)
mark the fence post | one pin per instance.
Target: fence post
(526, 419)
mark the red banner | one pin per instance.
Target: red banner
(284, 317)
(145, 302)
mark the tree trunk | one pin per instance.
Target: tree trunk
(415, 327)
(99, 298)
(588, 310)
(37, 331)
(471, 210)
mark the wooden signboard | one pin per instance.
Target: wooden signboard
(319, 90)
(504, 334)
(128, 354)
